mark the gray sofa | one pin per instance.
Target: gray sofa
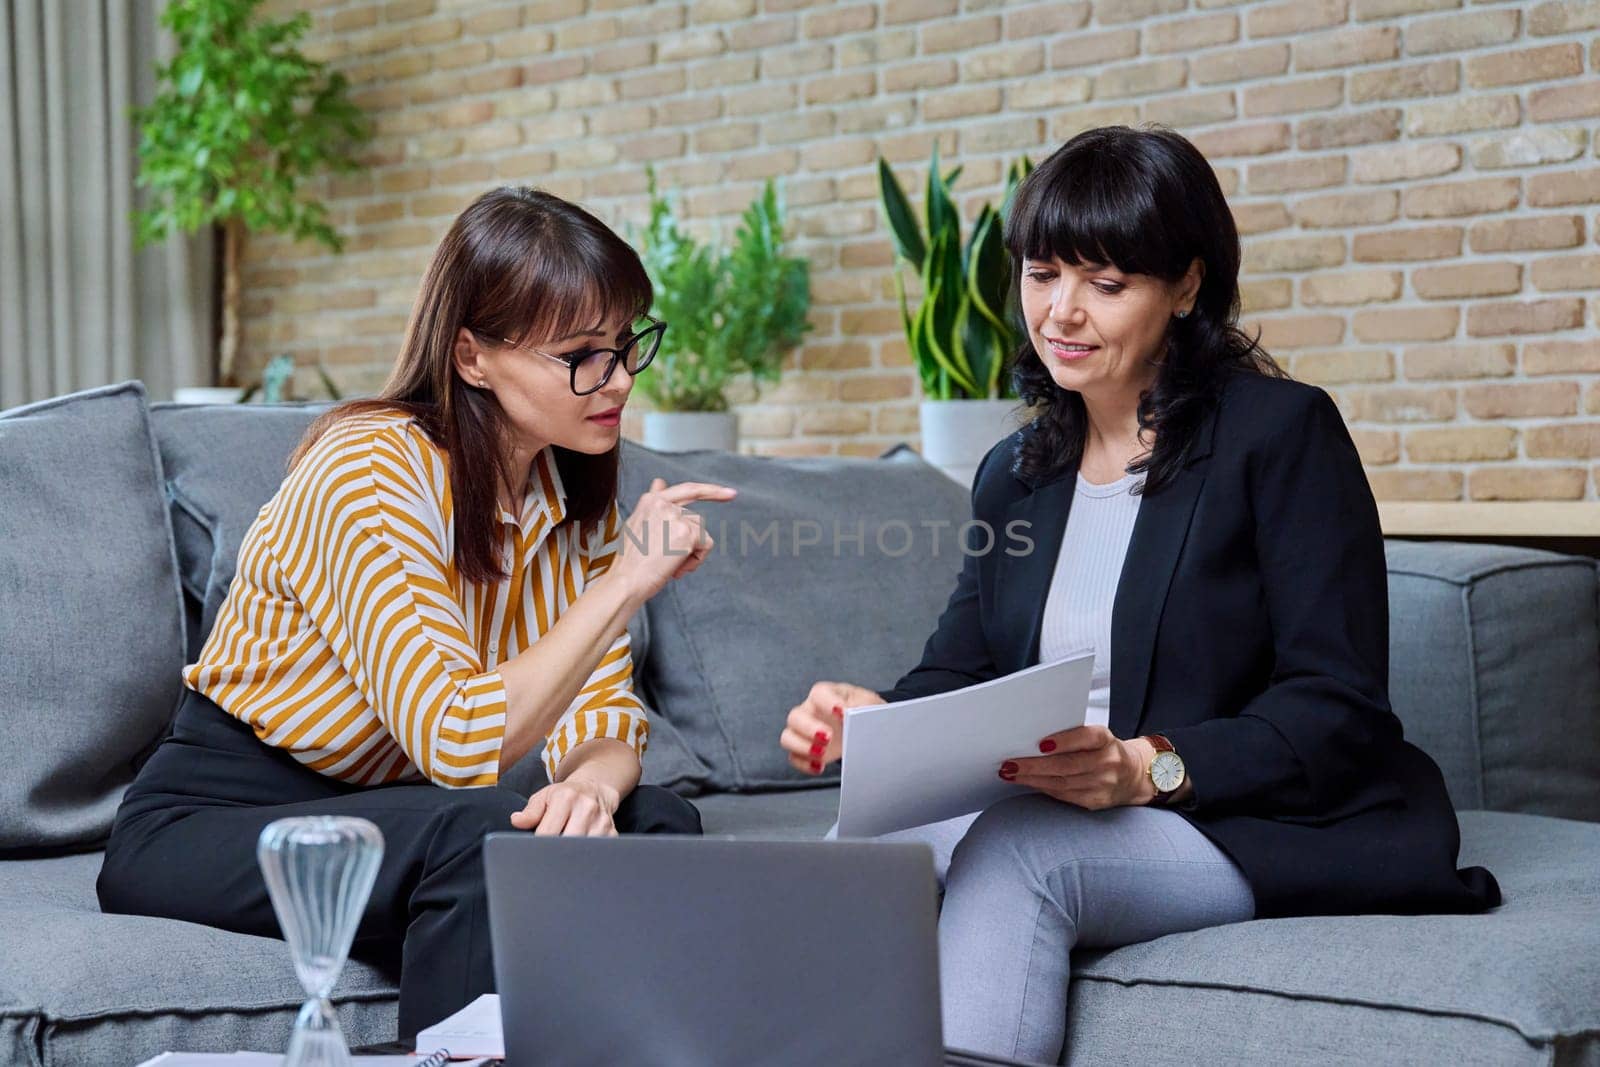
(120, 520)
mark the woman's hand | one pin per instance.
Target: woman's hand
(574, 808)
(663, 539)
(813, 736)
(1088, 766)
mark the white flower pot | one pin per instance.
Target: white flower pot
(956, 434)
(207, 394)
(691, 431)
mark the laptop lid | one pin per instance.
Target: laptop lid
(710, 951)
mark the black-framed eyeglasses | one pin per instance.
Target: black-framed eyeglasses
(591, 368)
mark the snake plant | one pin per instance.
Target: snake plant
(960, 333)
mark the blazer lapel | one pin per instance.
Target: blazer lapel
(1158, 536)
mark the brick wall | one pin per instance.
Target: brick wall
(1417, 182)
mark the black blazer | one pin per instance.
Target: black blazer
(1251, 627)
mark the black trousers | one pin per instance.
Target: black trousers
(184, 847)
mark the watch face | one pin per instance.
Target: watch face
(1166, 770)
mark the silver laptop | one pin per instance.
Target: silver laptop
(703, 952)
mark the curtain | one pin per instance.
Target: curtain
(78, 306)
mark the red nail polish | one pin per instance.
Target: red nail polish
(822, 737)
(816, 767)
(1047, 745)
(818, 748)
(838, 711)
(1008, 777)
(1008, 767)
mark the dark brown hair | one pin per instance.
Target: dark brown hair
(522, 264)
(1146, 202)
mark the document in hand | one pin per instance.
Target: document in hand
(933, 758)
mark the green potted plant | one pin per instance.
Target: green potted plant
(728, 312)
(960, 333)
(239, 120)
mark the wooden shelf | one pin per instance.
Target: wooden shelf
(1491, 519)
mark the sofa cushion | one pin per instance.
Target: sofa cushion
(1514, 984)
(82, 987)
(1494, 670)
(92, 629)
(823, 569)
(222, 463)
(802, 814)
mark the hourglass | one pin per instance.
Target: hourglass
(319, 872)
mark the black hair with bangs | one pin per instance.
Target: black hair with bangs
(1146, 202)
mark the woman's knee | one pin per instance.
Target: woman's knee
(1017, 838)
(650, 809)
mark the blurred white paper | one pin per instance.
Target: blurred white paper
(933, 758)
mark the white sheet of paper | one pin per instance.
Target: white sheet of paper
(933, 758)
(473, 1031)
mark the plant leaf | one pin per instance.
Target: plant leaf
(902, 220)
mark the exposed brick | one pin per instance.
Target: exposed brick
(927, 74)
(721, 10)
(1347, 209)
(1448, 362)
(1467, 279)
(1546, 63)
(1312, 172)
(960, 34)
(1287, 98)
(882, 47)
(1531, 147)
(1571, 440)
(1006, 135)
(1253, 140)
(653, 146)
(1345, 366)
(832, 22)
(1524, 316)
(1265, 294)
(1433, 323)
(957, 103)
(1459, 32)
(1295, 16)
(1448, 199)
(873, 387)
(1261, 217)
(1566, 272)
(1523, 234)
(1562, 357)
(1343, 131)
(1561, 102)
(1514, 400)
(734, 70)
(1415, 485)
(1040, 20)
(763, 33)
(840, 355)
(1014, 61)
(1055, 91)
(1299, 331)
(1183, 35)
(1402, 404)
(1351, 287)
(1563, 16)
(1564, 188)
(835, 420)
(806, 59)
(1240, 64)
(726, 137)
(895, 11)
(1462, 114)
(1085, 49)
(1388, 9)
(839, 88)
(1191, 109)
(1292, 253)
(1405, 162)
(1108, 11)
(1461, 444)
(1346, 48)
(1433, 78)
(1427, 242)
(1141, 79)
(1527, 483)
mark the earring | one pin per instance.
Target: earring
(1183, 314)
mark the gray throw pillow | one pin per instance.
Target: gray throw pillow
(92, 627)
(222, 462)
(1494, 670)
(823, 569)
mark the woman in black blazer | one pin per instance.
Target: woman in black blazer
(1252, 766)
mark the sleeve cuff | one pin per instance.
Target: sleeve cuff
(466, 749)
(619, 723)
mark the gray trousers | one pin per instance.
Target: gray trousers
(1030, 879)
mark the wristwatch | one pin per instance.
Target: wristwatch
(1166, 769)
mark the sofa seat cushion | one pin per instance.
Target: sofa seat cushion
(800, 814)
(1520, 983)
(82, 987)
(91, 635)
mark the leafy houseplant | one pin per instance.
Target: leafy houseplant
(729, 311)
(240, 118)
(960, 333)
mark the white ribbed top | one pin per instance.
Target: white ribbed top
(1077, 610)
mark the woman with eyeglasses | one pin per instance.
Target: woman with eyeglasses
(440, 587)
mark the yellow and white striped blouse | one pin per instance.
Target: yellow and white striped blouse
(349, 640)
